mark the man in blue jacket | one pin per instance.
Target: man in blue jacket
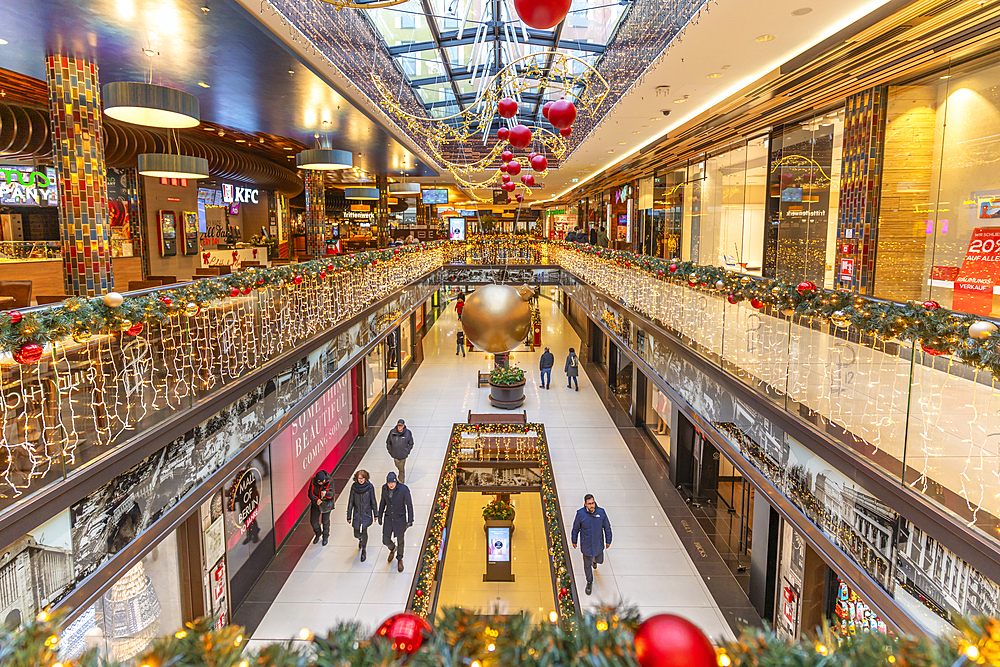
(592, 528)
(545, 367)
(395, 514)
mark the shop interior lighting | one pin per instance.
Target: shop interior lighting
(164, 165)
(324, 157)
(404, 188)
(151, 105)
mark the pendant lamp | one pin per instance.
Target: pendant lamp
(367, 194)
(404, 188)
(151, 105)
(165, 165)
(324, 159)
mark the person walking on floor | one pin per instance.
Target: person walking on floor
(592, 530)
(399, 444)
(361, 509)
(459, 307)
(395, 515)
(320, 505)
(572, 369)
(460, 341)
(545, 367)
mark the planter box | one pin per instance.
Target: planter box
(498, 523)
(507, 397)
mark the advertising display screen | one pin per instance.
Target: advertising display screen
(434, 196)
(29, 186)
(498, 547)
(456, 229)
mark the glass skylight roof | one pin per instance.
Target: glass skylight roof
(434, 41)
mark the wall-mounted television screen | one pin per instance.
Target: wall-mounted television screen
(434, 196)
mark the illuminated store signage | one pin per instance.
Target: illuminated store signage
(234, 195)
(26, 186)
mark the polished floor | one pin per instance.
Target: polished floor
(647, 565)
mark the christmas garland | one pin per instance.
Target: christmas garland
(24, 335)
(609, 637)
(969, 338)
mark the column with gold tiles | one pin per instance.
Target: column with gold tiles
(315, 213)
(78, 154)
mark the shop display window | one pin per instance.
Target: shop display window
(850, 614)
(658, 418)
(405, 344)
(375, 387)
(249, 524)
(143, 604)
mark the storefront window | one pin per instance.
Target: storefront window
(405, 344)
(658, 418)
(249, 523)
(142, 605)
(939, 236)
(375, 375)
(851, 615)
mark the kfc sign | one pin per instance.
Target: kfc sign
(234, 195)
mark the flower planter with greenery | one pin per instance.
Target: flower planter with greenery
(498, 513)
(507, 388)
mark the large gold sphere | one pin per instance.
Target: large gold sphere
(496, 319)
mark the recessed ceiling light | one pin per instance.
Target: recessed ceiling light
(656, 118)
(203, 84)
(612, 150)
(715, 75)
(680, 100)
(2, 42)
(802, 11)
(241, 141)
(289, 148)
(946, 76)
(149, 52)
(765, 38)
(291, 71)
(635, 132)
(621, 143)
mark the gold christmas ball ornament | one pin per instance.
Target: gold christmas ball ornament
(191, 309)
(496, 318)
(113, 299)
(982, 330)
(840, 319)
(787, 312)
(82, 336)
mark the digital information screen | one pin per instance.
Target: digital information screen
(434, 196)
(498, 549)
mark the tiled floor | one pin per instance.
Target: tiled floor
(648, 564)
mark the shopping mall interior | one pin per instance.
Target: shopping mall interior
(485, 332)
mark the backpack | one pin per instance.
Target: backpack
(572, 361)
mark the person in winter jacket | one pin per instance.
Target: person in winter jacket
(361, 509)
(460, 340)
(602, 238)
(545, 364)
(395, 515)
(592, 530)
(459, 307)
(572, 369)
(593, 235)
(320, 505)
(399, 444)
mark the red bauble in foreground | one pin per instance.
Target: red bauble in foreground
(529, 180)
(167, 301)
(566, 131)
(545, 110)
(522, 178)
(503, 133)
(507, 107)
(519, 197)
(562, 113)
(28, 353)
(539, 163)
(406, 631)
(666, 640)
(531, 156)
(330, 268)
(933, 351)
(15, 316)
(542, 14)
(757, 303)
(135, 329)
(506, 156)
(513, 167)
(931, 305)
(673, 268)
(298, 279)
(247, 290)
(235, 292)
(805, 286)
(322, 275)
(503, 167)
(509, 187)
(505, 178)
(520, 136)
(733, 299)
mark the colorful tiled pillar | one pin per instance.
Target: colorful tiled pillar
(860, 187)
(78, 154)
(315, 213)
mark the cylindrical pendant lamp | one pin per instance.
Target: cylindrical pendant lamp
(165, 165)
(370, 194)
(151, 105)
(324, 159)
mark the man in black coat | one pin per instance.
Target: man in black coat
(593, 530)
(593, 235)
(320, 505)
(395, 514)
(545, 367)
(399, 444)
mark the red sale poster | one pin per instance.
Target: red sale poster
(980, 272)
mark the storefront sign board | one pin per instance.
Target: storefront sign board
(979, 273)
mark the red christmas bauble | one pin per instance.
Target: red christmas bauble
(505, 178)
(406, 631)
(29, 353)
(260, 282)
(733, 299)
(520, 136)
(167, 301)
(539, 163)
(506, 156)
(672, 268)
(322, 275)
(503, 133)
(932, 351)
(542, 14)
(562, 113)
(513, 167)
(565, 132)
(529, 180)
(235, 292)
(522, 178)
(805, 286)
(503, 167)
(135, 329)
(247, 290)
(509, 187)
(666, 640)
(519, 197)
(531, 156)
(757, 303)
(330, 268)
(545, 110)
(931, 305)
(507, 107)
(298, 279)
(15, 316)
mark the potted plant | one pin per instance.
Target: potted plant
(507, 388)
(498, 512)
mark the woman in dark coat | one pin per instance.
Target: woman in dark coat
(361, 509)
(572, 369)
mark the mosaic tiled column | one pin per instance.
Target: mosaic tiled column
(78, 154)
(382, 209)
(860, 180)
(315, 213)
